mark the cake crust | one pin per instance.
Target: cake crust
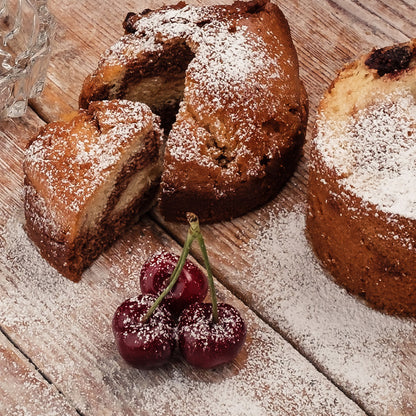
(239, 115)
(362, 210)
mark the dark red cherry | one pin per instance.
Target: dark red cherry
(205, 343)
(192, 285)
(144, 345)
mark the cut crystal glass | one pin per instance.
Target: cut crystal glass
(26, 28)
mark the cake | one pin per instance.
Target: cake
(362, 188)
(87, 178)
(225, 82)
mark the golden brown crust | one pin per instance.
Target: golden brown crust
(344, 97)
(359, 247)
(363, 233)
(240, 128)
(77, 172)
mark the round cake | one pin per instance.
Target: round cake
(225, 82)
(362, 188)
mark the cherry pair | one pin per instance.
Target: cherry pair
(145, 326)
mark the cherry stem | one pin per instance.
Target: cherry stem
(196, 232)
(175, 275)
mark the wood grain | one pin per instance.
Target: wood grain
(23, 390)
(355, 346)
(65, 330)
(334, 329)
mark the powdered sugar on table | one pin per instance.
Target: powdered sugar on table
(43, 307)
(360, 347)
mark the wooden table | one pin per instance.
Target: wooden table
(311, 349)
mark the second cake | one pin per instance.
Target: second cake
(362, 187)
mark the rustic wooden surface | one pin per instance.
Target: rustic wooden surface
(312, 349)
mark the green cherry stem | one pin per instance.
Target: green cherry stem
(175, 275)
(196, 232)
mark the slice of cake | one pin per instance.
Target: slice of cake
(88, 178)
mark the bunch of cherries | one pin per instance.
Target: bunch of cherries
(171, 311)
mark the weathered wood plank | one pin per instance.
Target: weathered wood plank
(83, 31)
(272, 268)
(23, 391)
(65, 329)
(14, 136)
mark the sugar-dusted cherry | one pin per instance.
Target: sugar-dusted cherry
(207, 343)
(144, 344)
(191, 286)
(209, 334)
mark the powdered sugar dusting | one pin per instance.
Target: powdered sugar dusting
(197, 331)
(231, 66)
(23, 391)
(366, 351)
(375, 153)
(72, 159)
(242, 75)
(66, 329)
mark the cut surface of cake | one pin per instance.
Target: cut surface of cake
(362, 198)
(225, 81)
(89, 177)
